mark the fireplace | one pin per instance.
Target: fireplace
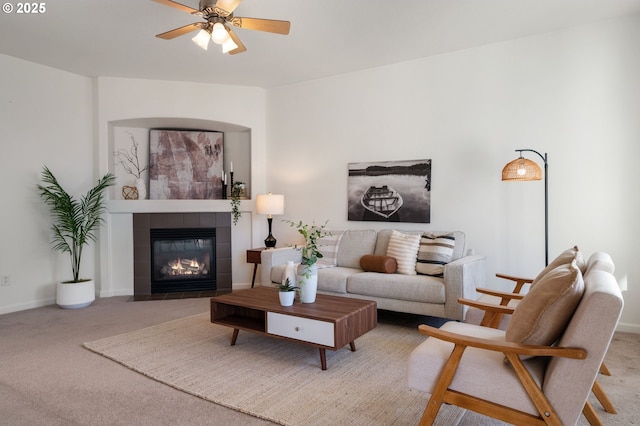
(181, 253)
(182, 259)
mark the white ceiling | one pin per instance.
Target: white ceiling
(117, 37)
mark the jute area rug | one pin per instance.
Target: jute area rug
(279, 380)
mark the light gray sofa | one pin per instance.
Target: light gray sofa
(415, 294)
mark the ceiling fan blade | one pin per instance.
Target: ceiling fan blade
(182, 7)
(228, 6)
(237, 41)
(181, 31)
(268, 25)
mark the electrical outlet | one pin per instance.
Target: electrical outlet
(5, 281)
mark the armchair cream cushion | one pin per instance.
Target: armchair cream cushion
(543, 314)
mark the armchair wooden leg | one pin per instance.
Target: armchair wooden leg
(604, 370)
(449, 370)
(591, 415)
(603, 398)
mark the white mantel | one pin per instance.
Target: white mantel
(177, 206)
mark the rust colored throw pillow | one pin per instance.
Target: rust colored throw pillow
(543, 314)
(384, 264)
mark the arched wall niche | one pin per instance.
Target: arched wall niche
(237, 145)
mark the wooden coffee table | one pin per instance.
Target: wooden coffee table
(329, 323)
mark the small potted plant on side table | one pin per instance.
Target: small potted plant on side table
(287, 293)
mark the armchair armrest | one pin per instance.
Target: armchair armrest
(505, 296)
(520, 282)
(273, 257)
(492, 313)
(487, 307)
(502, 346)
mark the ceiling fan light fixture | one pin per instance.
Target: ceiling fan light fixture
(219, 34)
(202, 39)
(229, 45)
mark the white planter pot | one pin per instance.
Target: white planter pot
(75, 295)
(287, 297)
(308, 285)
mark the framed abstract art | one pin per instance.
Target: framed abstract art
(185, 164)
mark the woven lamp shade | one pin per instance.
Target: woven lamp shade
(521, 169)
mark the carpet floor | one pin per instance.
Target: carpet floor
(48, 378)
(279, 380)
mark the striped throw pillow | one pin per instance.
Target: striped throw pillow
(328, 246)
(435, 251)
(404, 248)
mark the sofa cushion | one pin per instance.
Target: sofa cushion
(542, 315)
(328, 246)
(434, 252)
(335, 279)
(404, 248)
(353, 245)
(415, 288)
(383, 264)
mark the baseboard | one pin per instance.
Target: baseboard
(111, 293)
(28, 305)
(625, 327)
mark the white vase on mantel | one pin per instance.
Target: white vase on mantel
(141, 186)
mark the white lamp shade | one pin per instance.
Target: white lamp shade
(270, 204)
(229, 45)
(202, 39)
(219, 34)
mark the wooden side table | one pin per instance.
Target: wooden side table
(253, 256)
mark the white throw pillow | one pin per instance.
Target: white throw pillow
(404, 248)
(328, 246)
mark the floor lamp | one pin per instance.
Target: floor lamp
(522, 169)
(270, 204)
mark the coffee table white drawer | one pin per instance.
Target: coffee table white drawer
(305, 329)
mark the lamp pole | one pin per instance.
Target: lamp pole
(546, 202)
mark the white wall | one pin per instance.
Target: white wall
(573, 94)
(46, 119)
(126, 103)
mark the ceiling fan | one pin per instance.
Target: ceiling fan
(219, 18)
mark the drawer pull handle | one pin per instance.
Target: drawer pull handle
(297, 328)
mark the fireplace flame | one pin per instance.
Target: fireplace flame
(185, 267)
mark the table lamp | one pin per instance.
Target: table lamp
(270, 204)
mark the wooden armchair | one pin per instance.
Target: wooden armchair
(464, 364)
(493, 309)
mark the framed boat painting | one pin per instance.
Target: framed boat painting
(390, 191)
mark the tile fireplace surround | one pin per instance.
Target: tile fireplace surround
(144, 222)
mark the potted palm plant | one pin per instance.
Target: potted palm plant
(74, 225)
(308, 270)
